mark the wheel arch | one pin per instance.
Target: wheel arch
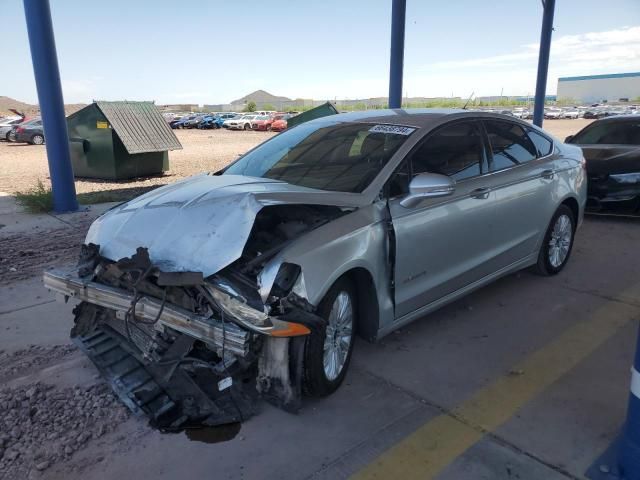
(574, 206)
(368, 320)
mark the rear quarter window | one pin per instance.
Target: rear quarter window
(543, 145)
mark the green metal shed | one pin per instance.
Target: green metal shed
(320, 111)
(119, 140)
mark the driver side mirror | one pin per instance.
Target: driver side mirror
(428, 185)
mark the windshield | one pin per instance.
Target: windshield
(327, 155)
(621, 133)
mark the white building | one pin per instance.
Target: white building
(597, 88)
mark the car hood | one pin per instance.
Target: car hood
(200, 224)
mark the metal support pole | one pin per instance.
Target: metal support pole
(629, 450)
(396, 63)
(47, 74)
(543, 61)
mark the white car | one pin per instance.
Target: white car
(521, 113)
(572, 113)
(552, 113)
(7, 124)
(241, 123)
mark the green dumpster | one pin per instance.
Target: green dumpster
(317, 112)
(119, 140)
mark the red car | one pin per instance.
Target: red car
(263, 122)
(280, 122)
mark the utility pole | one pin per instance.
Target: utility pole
(47, 74)
(396, 63)
(543, 61)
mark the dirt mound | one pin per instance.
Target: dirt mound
(30, 110)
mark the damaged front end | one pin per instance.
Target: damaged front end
(187, 350)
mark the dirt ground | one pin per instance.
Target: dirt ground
(21, 165)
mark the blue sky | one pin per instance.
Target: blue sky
(201, 51)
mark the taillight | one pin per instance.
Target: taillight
(583, 162)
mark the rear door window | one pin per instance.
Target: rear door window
(509, 143)
(455, 150)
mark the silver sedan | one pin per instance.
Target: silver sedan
(349, 224)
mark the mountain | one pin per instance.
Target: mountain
(7, 102)
(260, 96)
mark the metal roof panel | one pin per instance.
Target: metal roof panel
(140, 126)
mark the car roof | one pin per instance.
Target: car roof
(413, 117)
(618, 118)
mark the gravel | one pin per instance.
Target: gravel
(41, 425)
(25, 360)
(25, 255)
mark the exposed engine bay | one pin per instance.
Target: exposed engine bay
(186, 350)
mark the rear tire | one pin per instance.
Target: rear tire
(37, 139)
(558, 243)
(328, 352)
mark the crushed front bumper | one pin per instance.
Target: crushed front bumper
(180, 368)
(211, 331)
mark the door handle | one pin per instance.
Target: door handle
(548, 174)
(481, 193)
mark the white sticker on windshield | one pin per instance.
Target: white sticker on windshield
(395, 129)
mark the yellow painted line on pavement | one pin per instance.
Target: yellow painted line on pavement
(428, 450)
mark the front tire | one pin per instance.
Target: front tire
(558, 242)
(246, 126)
(37, 139)
(328, 352)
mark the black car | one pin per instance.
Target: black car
(611, 147)
(28, 132)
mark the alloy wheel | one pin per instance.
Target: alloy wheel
(338, 335)
(560, 241)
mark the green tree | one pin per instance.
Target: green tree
(268, 106)
(251, 107)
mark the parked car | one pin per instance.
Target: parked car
(181, 122)
(572, 113)
(280, 122)
(7, 124)
(217, 120)
(520, 113)
(241, 122)
(263, 122)
(595, 113)
(28, 132)
(193, 122)
(552, 113)
(261, 275)
(612, 149)
(206, 122)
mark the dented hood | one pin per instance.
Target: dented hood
(200, 224)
